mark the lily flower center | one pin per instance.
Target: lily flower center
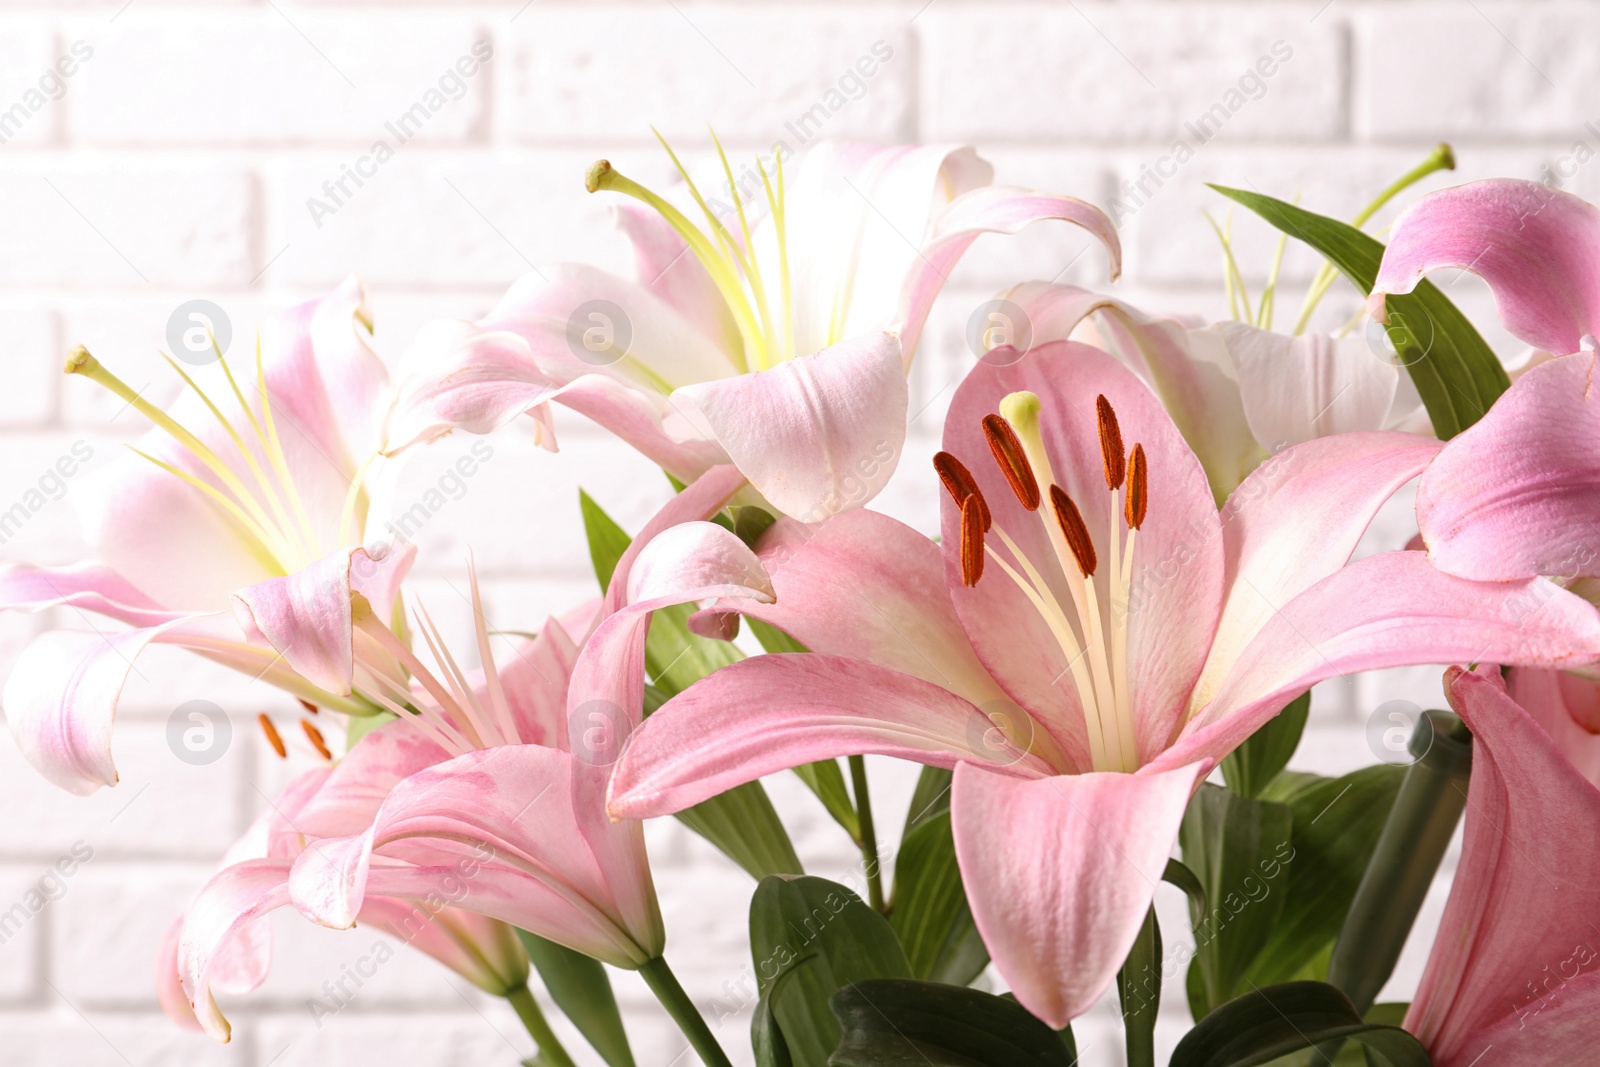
(1094, 642)
(251, 488)
(459, 718)
(765, 321)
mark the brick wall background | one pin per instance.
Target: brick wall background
(177, 162)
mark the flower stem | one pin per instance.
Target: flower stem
(550, 1047)
(664, 984)
(1139, 985)
(869, 836)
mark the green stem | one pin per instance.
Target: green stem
(1441, 158)
(550, 1047)
(1139, 985)
(664, 984)
(869, 837)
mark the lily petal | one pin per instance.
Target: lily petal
(1518, 493)
(91, 586)
(1389, 610)
(1568, 708)
(1537, 247)
(815, 435)
(226, 911)
(1526, 896)
(772, 712)
(1061, 871)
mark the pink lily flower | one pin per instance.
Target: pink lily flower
(1514, 976)
(1091, 635)
(480, 770)
(775, 336)
(253, 479)
(1238, 393)
(224, 938)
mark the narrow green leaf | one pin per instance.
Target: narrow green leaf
(1336, 826)
(742, 822)
(890, 1023)
(1248, 768)
(818, 937)
(1455, 371)
(931, 797)
(928, 908)
(1264, 1024)
(582, 990)
(1239, 850)
(766, 1040)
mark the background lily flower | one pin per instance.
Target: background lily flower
(1238, 393)
(249, 477)
(774, 335)
(1514, 976)
(1089, 638)
(223, 941)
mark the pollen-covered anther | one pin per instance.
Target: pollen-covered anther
(311, 709)
(1110, 443)
(1074, 530)
(314, 735)
(971, 541)
(1138, 489)
(1012, 460)
(273, 737)
(961, 485)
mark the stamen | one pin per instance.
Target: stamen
(1138, 488)
(960, 484)
(971, 542)
(1012, 460)
(310, 707)
(1110, 443)
(273, 738)
(315, 737)
(1073, 529)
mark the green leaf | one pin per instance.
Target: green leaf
(1238, 849)
(1456, 373)
(929, 910)
(582, 990)
(766, 1040)
(889, 1023)
(931, 797)
(742, 822)
(1265, 1024)
(1248, 768)
(817, 937)
(1336, 826)
(1139, 992)
(824, 778)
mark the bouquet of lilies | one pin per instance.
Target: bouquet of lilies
(1102, 662)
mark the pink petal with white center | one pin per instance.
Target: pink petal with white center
(1061, 871)
(1389, 610)
(1518, 493)
(991, 209)
(356, 787)
(663, 264)
(772, 712)
(1521, 918)
(1176, 578)
(815, 435)
(1537, 247)
(1296, 520)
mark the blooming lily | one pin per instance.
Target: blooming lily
(1514, 975)
(224, 939)
(478, 769)
(226, 490)
(774, 336)
(1238, 393)
(1089, 638)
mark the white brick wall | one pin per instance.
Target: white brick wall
(176, 162)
